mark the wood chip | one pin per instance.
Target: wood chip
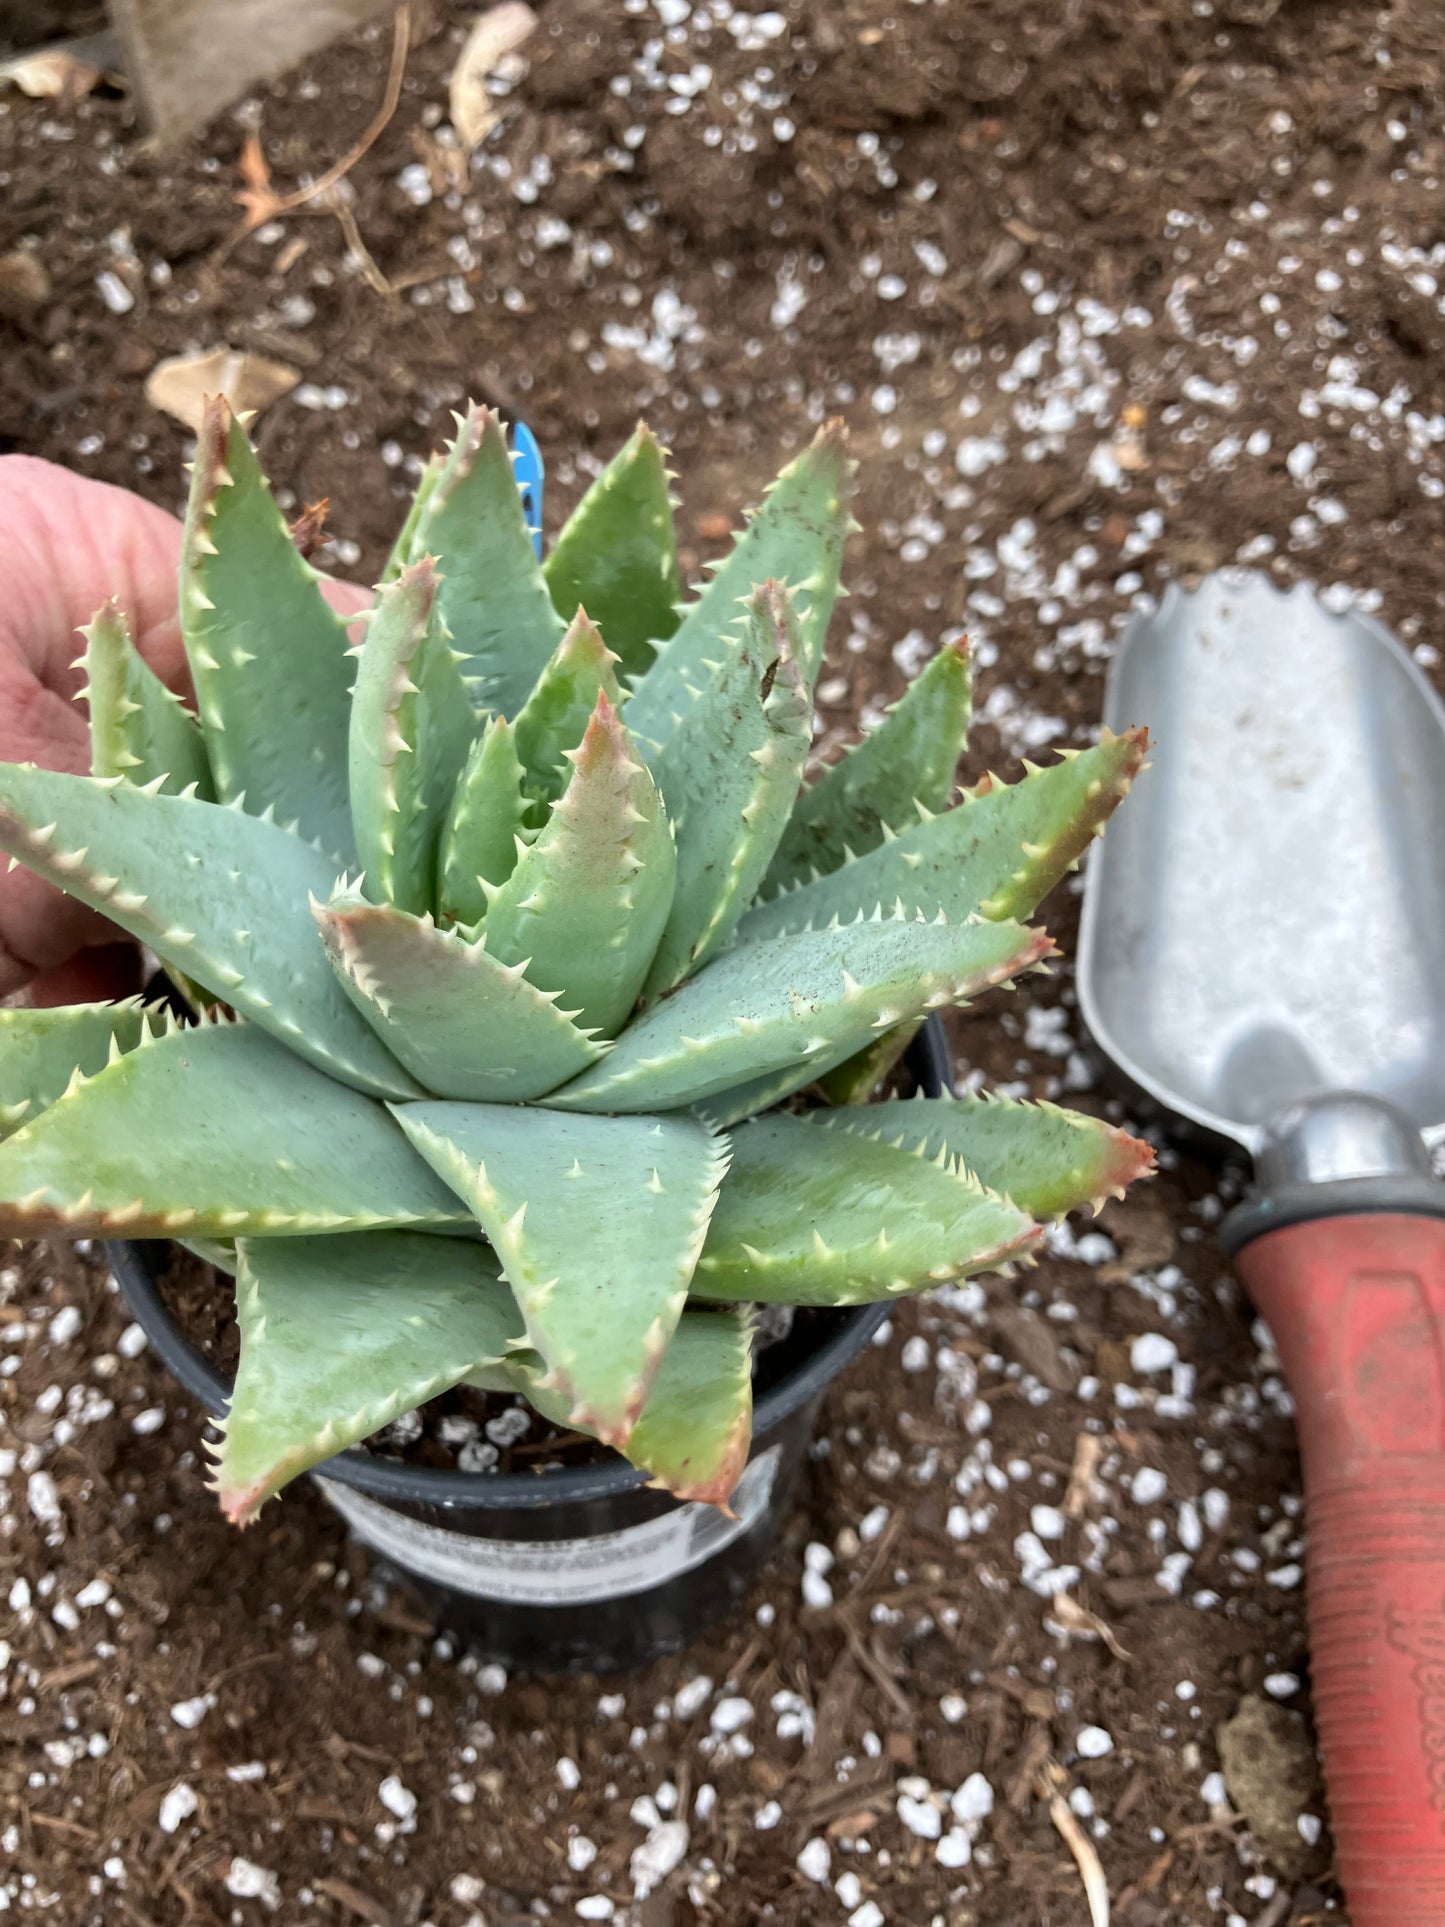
(71, 1675)
(1030, 1339)
(497, 33)
(58, 1825)
(849, 1826)
(1033, 1757)
(24, 282)
(181, 384)
(1144, 1233)
(1088, 1450)
(872, 1663)
(833, 1719)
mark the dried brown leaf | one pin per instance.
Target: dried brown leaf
(182, 384)
(256, 194)
(1144, 1233)
(308, 530)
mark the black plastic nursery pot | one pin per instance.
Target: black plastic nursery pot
(583, 1569)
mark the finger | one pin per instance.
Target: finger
(104, 973)
(40, 928)
(67, 544)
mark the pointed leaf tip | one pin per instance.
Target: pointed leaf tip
(250, 604)
(971, 860)
(586, 902)
(797, 535)
(617, 554)
(1047, 1159)
(599, 1310)
(493, 598)
(338, 1336)
(798, 1225)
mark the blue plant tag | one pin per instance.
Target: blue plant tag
(527, 467)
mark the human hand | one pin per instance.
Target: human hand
(67, 544)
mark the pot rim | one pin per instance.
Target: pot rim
(390, 1479)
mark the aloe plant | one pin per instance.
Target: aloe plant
(502, 925)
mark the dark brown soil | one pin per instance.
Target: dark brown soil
(35, 23)
(1112, 291)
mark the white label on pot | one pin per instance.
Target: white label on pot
(559, 1572)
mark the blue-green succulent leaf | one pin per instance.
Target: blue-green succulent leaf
(464, 1025)
(616, 556)
(218, 894)
(268, 654)
(1050, 1160)
(41, 1051)
(411, 729)
(341, 1335)
(403, 550)
(804, 1002)
(795, 1225)
(484, 827)
(138, 728)
(494, 599)
(797, 537)
(585, 906)
(996, 854)
(729, 775)
(597, 1222)
(550, 723)
(693, 1433)
(214, 1132)
(877, 787)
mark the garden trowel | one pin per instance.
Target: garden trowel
(1263, 954)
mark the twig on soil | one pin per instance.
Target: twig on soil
(1277, 1912)
(1051, 1783)
(64, 1826)
(743, 1665)
(881, 1551)
(881, 1678)
(372, 274)
(1033, 1758)
(260, 200)
(242, 1666)
(355, 1901)
(835, 1802)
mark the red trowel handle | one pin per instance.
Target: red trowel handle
(1357, 1308)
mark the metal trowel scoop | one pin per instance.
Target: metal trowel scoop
(1263, 953)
